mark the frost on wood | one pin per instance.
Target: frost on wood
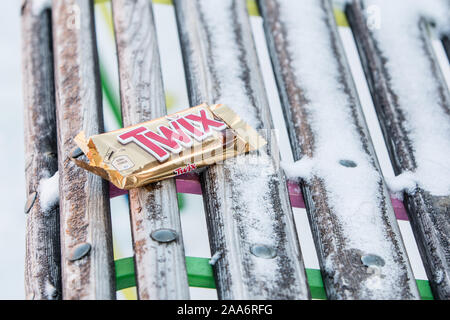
(49, 192)
(426, 120)
(246, 198)
(354, 216)
(84, 202)
(231, 88)
(413, 106)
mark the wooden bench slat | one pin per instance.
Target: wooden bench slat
(349, 208)
(160, 267)
(42, 259)
(429, 214)
(84, 201)
(246, 202)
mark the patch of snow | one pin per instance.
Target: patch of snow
(50, 290)
(40, 5)
(403, 182)
(215, 258)
(439, 276)
(49, 192)
(299, 169)
(428, 125)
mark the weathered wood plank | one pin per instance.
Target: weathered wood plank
(347, 202)
(246, 198)
(160, 267)
(84, 201)
(406, 133)
(42, 259)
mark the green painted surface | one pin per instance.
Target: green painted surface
(425, 289)
(200, 274)
(316, 284)
(124, 273)
(111, 96)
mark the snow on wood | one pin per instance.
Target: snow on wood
(246, 198)
(413, 106)
(348, 204)
(84, 201)
(404, 182)
(302, 168)
(42, 260)
(216, 256)
(424, 104)
(37, 6)
(49, 192)
(160, 267)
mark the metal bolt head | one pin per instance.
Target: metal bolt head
(77, 153)
(164, 235)
(30, 202)
(79, 251)
(263, 251)
(347, 163)
(372, 260)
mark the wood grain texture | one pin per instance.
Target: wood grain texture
(429, 215)
(84, 201)
(339, 247)
(160, 267)
(42, 259)
(246, 198)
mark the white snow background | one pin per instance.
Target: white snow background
(12, 179)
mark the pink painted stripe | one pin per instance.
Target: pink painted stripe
(399, 209)
(186, 183)
(115, 192)
(190, 183)
(295, 194)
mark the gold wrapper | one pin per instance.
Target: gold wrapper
(169, 146)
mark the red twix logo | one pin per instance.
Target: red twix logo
(188, 168)
(175, 137)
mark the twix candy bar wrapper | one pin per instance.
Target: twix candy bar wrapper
(169, 146)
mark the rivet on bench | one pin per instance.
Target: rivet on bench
(372, 260)
(347, 163)
(164, 235)
(263, 251)
(79, 251)
(30, 201)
